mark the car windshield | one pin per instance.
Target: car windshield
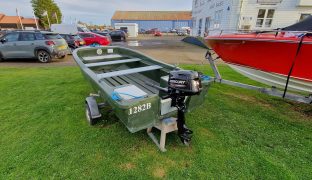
(104, 33)
(52, 36)
(116, 32)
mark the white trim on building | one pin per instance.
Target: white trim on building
(211, 15)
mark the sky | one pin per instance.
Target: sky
(96, 11)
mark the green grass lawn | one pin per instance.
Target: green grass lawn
(238, 134)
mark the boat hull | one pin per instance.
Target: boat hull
(273, 79)
(267, 54)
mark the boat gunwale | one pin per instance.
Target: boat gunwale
(256, 39)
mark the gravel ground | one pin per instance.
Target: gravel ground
(169, 49)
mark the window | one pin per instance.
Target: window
(52, 36)
(303, 16)
(63, 36)
(200, 26)
(71, 37)
(76, 37)
(39, 36)
(218, 18)
(265, 18)
(194, 22)
(12, 37)
(86, 35)
(196, 3)
(83, 35)
(207, 24)
(266, 2)
(28, 37)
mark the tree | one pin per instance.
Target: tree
(42, 8)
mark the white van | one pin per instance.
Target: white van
(68, 28)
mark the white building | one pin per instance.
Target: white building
(210, 15)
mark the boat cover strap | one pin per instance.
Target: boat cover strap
(293, 64)
(112, 62)
(128, 71)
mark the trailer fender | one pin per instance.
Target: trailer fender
(93, 107)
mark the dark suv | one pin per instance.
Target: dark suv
(42, 45)
(118, 35)
(73, 41)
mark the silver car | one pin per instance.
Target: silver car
(42, 45)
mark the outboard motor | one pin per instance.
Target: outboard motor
(182, 83)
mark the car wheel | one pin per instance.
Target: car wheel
(43, 56)
(90, 120)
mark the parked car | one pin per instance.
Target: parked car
(151, 31)
(182, 32)
(157, 33)
(106, 30)
(42, 45)
(94, 39)
(80, 40)
(173, 30)
(142, 31)
(72, 41)
(104, 33)
(118, 35)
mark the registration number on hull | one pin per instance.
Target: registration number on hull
(140, 108)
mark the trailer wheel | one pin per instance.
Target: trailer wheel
(90, 120)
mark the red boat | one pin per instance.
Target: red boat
(279, 58)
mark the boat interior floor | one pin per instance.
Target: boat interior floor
(136, 79)
(121, 71)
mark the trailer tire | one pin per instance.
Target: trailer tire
(91, 121)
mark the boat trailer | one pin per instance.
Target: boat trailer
(273, 91)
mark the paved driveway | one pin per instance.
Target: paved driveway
(169, 49)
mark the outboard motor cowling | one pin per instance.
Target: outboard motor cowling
(186, 82)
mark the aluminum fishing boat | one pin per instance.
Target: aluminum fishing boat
(131, 83)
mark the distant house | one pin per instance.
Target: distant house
(210, 15)
(163, 20)
(13, 22)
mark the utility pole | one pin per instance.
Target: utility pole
(19, 17)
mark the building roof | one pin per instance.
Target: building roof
(1, 16)
(14, 20)
(9, 20)
(28, 21)
(152, 15)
